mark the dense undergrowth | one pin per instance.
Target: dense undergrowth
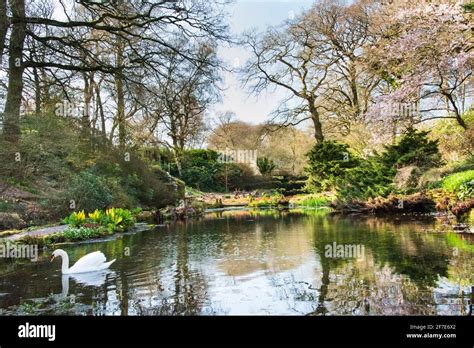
(400, 170)
(55, 168)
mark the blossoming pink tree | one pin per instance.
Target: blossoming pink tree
(426, 54)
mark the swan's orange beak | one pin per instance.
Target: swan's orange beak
(52, 258)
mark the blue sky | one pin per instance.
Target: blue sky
(245, 15)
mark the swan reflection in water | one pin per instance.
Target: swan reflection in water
(88, 279)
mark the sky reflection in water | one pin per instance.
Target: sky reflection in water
(268, 262)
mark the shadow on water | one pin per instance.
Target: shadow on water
(258, 262)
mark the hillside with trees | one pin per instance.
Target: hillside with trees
(112, 105)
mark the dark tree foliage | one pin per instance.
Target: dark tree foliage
(328, 161)
(205, 170)
(414, 148)
(333, 167)
(265, 165)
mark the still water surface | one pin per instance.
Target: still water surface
(266, 262)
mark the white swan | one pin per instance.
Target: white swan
(89, 263)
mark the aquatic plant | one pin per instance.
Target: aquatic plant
(268, 200)
(113, 220)
(118, 219)
(97, 216)
(313, 201)
(76, 218)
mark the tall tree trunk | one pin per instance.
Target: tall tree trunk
(15, 72)
(37, 92)
(100, 105)
(354, 92)
(101, 109)
(120, 97)
(177, 154)
(318, 128)
(122, 132)
(3, 26)
(457, 112)
(46, 98)
(36, 80)
(86, 120)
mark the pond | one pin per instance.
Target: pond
(258, 262)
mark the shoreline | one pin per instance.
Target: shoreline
(41, 233)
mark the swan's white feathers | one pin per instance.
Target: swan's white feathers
(92, 261)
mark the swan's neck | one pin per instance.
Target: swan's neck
(65, 258)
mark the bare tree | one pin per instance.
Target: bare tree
(3, 26)
(15, 69)
(145, 29)
(183, 91)
(297, 60)
(346, 29)
(230, 133)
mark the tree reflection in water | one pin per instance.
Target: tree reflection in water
(263, 262)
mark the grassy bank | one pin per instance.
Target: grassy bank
(55, 169)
